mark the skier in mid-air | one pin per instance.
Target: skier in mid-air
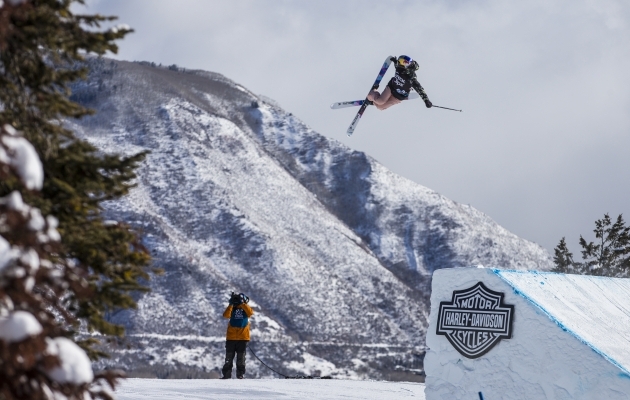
(399, 86)
(397, 90)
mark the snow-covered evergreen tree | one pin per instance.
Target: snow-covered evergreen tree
(61, 262)
(37, 289)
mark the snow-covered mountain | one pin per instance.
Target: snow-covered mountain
(335, 251)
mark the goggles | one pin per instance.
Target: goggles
(404, 61)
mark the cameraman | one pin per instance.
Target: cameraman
(237, 334)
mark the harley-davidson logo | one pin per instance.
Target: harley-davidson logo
(475, 320)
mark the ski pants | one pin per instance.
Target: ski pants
(384, 100)
(232, 348)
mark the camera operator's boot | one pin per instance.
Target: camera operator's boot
(226, 371)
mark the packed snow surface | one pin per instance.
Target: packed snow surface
(596, 310)
(570, 339)
(197, 389)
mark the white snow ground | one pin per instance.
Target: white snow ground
(197, 389)
(594, 309)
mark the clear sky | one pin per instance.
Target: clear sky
(543, 143)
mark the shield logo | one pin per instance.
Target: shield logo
(475, 320)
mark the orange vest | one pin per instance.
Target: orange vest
(234, 333)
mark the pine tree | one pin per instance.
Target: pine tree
(563, 258)
(97, 264)
(37, 286)
(609, 255)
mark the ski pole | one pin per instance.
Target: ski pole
(446, 108)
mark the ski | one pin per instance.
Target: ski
(377, 82)
(344, 104)
(354, 103)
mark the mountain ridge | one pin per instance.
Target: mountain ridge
(237, 194)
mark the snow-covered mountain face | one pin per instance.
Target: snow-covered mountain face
(335, 251)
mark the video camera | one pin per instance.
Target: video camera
(238, 299)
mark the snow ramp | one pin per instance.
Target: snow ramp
(498, 334)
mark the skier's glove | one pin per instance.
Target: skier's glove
(428, 103)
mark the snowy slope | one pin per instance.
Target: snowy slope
(141, 389)
(335, 251)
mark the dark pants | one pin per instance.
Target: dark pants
(238, 348)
